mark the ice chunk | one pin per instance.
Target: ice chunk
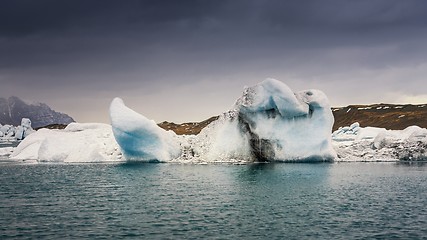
(5, 128)
(271, 94)
(7, 132)
(283, 126)
(76, 143)
(267, 123)
(19, 133)
(222, 141)
(379, 144)
(354, 126)
(11, 133)
(24, 130)
(6, 151)
(141, 138)
(26, 123)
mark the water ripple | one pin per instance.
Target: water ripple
(292, 201)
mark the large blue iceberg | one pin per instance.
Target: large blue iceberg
(268, 122)
(141, 138)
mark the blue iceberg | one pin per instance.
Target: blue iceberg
(269, 122)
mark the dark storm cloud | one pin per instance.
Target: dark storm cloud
(29, 17)
(109, 47)
(91, 37)
(38, 31)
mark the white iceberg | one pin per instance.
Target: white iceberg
(380, 144)
(24, 129)
(12, 133)
(268, 123)
(6, 152)
(78, 142)
(141, 138)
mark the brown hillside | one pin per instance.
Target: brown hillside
(192, 128)
(387, 116)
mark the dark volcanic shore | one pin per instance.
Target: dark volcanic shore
(389, 116)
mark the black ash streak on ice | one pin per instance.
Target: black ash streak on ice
(97, 50)
(261, 149)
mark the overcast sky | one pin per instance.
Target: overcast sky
(188, 60)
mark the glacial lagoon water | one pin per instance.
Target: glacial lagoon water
(173, 201)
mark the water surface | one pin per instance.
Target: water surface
(170, 201)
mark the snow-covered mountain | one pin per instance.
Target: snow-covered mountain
(13, 109)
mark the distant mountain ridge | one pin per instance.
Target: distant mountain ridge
(13, 109)
(389, 116)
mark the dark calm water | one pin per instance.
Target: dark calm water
(171, 201)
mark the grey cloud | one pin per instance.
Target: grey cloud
(105, 47)
(26, 17)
